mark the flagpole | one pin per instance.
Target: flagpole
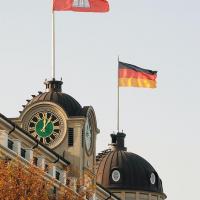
(118, 97)
(53, 42)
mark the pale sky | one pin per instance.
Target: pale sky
(162, 125)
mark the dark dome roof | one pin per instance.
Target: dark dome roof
(53, 94)
(135, 171)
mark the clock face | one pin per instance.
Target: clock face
(46, 125)
(88, 135)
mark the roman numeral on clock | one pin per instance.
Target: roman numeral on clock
(55, 121)
(31, 129)
(56, 127)
(34, 134)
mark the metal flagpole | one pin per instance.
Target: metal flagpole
(118, 97)
(53, 42)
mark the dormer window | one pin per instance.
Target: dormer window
(116, 175)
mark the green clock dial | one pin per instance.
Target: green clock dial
(45, 126)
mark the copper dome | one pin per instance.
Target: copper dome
(135, 172)
(54, 94)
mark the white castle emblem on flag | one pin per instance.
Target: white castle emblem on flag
(81, 3)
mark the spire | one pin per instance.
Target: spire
(53, 85)
(118, 141)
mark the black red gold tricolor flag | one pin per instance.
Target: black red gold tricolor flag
(133, 76)
(81, 5)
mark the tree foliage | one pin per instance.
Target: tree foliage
(20, 182)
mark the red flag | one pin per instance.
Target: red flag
(81, 5)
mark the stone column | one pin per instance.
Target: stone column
(63, 177)
(73, 183)
(41, 162)
(149, 196)
(17, 147)
(29, 155)
(123, 195)
(4, 138)
(52, 171)
(137, 196)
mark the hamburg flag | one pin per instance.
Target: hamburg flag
(81, 5)
(133, 76)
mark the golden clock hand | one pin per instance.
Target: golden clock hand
(49, 120)
(43, 129)
(44, 121)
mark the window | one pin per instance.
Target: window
(54, 190)
(10, 144)
(23, 153)
(70, 137)
(153, 178)
(57, 175)
(46, 168)
(115, 175)
(35, 160)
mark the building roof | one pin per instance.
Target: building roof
(54, 94)
(135, 172)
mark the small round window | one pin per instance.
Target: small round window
(115, 175)
(153, 178)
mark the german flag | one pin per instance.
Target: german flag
(133, 76)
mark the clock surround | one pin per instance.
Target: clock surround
(46, 122)
(88, 136)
